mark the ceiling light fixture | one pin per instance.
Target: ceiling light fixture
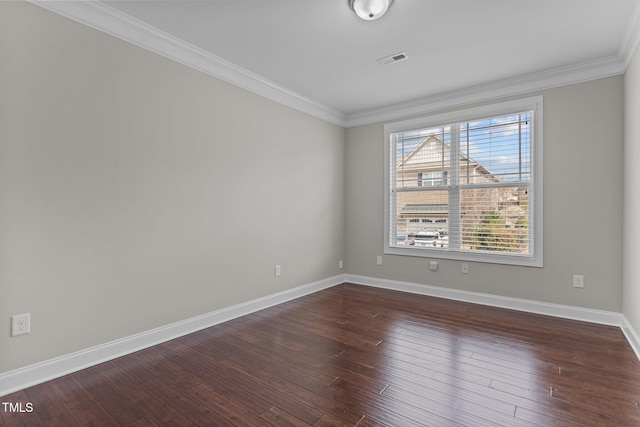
(370, 10)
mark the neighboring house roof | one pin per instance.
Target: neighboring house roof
(430, 150)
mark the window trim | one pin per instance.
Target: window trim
(534, 104)
(433, 178)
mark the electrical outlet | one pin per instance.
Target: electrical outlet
(433, 265)
(277, 271)
(379, 260)
(20, 324)
(465, 268)
(340, 265)
(578, 281)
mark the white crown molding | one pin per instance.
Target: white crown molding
(50, 369)
(111, 21)
(591, 70)
(106, 19)
(631, 37)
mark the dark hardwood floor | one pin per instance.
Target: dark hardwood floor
(353, 355)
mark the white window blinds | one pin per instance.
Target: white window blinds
(464, 188)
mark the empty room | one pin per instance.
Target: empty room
(320, 213)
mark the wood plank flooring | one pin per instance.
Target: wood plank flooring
(357, 356)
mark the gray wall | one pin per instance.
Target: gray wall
(136, 192)
(583, 143)
(631, 264)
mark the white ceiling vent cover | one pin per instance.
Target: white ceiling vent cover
(396, 57)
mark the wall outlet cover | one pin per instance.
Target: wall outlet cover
(20, 324)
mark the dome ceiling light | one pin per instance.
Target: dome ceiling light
(370, 10)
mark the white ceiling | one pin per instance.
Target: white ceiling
(322, 54)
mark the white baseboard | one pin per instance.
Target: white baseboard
(54, 368)
(35, 374)
(631, 334)
(556, 310)
(529, 306)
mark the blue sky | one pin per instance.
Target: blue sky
(500, 144)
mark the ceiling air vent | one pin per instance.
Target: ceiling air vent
(396, 57)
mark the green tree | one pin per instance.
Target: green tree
(492, 233)
(521, 234)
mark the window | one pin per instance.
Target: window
(476, 175)
(432, 179)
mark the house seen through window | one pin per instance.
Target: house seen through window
(463, 189)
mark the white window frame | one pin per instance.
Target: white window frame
(533, 104)
(433, 179)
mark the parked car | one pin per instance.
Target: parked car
(425, 238)
(442, 241)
